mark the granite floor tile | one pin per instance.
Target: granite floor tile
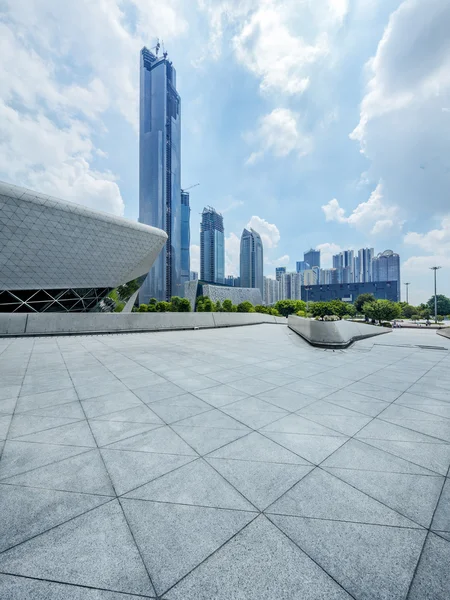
(314, 448)
(261, 483)
(348, 425)
(441, 521)
(213, 418)
(256, 447)
(298, 424)
(95, 549)
(414, 496)
(73, 434)
(375, 391)
(384, 430)
(109, 432)
(8, 406)
(25, 424)
(286, 399)
(432, 579)
(25, 512)
(129, 470)
(375, 561)
(162, 440)
(320, 495)
(84, 473)
(135, 414)
(314, 389)
(206, 439)
(174, 539)
(259, 563)
(196, 483)
(13, 588)
(161, 391)
(252, 385)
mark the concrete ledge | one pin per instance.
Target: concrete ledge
(94, 323)
(333, 334)
(445, 332)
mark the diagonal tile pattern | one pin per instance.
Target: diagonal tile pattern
(219, 464)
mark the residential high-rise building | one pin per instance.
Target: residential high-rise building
(312, 257)
(344, 263)
(311, 276)
(251, 260)
(363, 271)
(279, 271)
(328, 276)
(291, 286)
(302, 265)
(212, 246)
(159, 171)
(185, 238)
(271, 291)
(386, 267)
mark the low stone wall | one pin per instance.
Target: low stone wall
(445, 332)
(333, 334)
(79, 323)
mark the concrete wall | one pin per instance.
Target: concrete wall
(445, 332)
(333, 334)
(78, 323)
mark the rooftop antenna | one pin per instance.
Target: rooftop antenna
(157, 47)
(164, 50)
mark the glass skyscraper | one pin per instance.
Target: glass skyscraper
(159, 172)
(312, 257)
(212, 246)
(386, 267)
(251, 260)
(185, 238)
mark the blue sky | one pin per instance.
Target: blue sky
(322, 123)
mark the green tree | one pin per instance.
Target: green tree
(175, 302)
(259, 308)
(289, 307)
(443, 304)
(218, 306)
(163, 306)
(208, 305)
(382, 310)
(407, 310)
(361, 300)
(152, 302)
(142, 308)
(339, 308)
(227, 305)
(245, 307)
(184, 305)
(320, 309)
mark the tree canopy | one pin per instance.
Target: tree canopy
(443, 305)
(382, 310)
(361, 300)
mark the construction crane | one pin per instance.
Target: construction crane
(190, 187)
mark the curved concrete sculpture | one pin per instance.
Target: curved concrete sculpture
(445, 332)
(333, 334)
(60, 256)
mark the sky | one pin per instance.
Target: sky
(319, 123)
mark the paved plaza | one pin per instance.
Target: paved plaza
(231, 464)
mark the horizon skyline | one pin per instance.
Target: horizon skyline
(339, 140)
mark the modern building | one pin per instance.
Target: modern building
(279, 271)
(212, 246)
(193, 275)
(57, 256)
(185, 238)
(272, 289)
(348, 292)
(312, 257)
(329, 276)
(251, 260)
(232, 281)
(291, 285)
(194, 289)
(363, 264)
(344, 263)
(302, 265)
(386, 267)
(159, 171)
(311, 276)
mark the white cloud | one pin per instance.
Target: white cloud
(283, 261)
(195, 258)
(269, 232)
(47, 125)
(232, 254)
(280, 134)
(402, 129)
(327, 251)
(375, 215)
(436, 241)
(230, 204)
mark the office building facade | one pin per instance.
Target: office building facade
(386, 267)
(302, 265)
(252, 260)
(312, 257)
(363, 263)
(348, 292)
(212, 246)
(159, 171)
(344, 263)
(279, 271)
(185, 238)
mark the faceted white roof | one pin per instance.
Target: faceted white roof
(50, 243)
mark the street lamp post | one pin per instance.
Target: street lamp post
(435, 269)
(407, 290)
